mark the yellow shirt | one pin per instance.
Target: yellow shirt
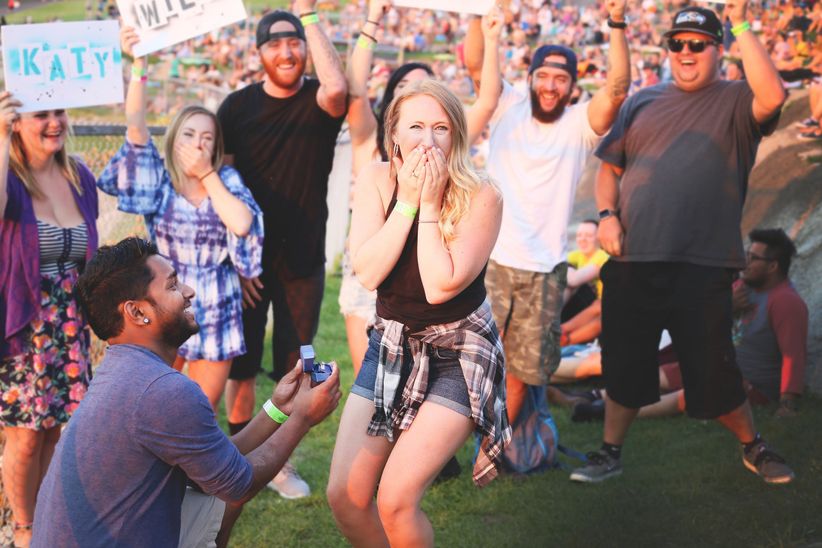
(578, 260)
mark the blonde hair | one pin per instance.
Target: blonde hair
(19, 164)
(463, 180)
(176, 173)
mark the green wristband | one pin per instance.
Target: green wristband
(310, 18)
(365, 43)
(406, 210)
(740, 28)
(276, 415)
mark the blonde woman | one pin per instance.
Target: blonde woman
(48, 232)
(201, 216)
(423, 227)
(366, 127)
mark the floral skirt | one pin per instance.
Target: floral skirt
(41, 387)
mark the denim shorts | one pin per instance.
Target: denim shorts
(446, 383)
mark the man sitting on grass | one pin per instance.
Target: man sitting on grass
(119, 472)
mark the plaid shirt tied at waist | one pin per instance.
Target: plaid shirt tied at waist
(479, 348)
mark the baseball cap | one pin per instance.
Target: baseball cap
(263, 34)
(699, 20)
(543, 52)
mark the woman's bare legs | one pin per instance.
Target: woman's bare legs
(356, 467)
(211, 376)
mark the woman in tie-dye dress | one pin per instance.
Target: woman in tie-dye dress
(201, 216)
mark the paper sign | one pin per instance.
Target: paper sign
(63, 65)
(163, 23)
(477, 7)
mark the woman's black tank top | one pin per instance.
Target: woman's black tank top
(401, 297)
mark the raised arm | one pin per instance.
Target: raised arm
(361, 121)
(760, 71)
(475, 51)
(488, 95)
(447, 271)
(333, 92)
(604, 106)
(137, 129)
(8, 114)
(606, 192)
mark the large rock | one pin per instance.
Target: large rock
(785, 191)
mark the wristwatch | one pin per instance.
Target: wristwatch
(617, 24)
(605, 213)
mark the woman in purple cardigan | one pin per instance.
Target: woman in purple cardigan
(49, 205)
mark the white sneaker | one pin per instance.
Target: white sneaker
(289, 484)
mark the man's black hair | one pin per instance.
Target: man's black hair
(388, 96)
(116, 274)
(779, 245)
(592, 221)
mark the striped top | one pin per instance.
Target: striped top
(61, 249)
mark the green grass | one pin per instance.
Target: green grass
(683, 485)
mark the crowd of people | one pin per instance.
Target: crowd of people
(460, 298)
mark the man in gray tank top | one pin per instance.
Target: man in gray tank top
(670, 192)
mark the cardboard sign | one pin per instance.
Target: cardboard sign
(163, 23)
(63, 65)
(477, 7)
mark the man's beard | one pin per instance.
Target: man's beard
(548, 116)
(177, 329)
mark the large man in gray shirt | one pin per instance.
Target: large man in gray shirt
(118, 477)
(670, 192)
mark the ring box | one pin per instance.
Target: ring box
(319, 371)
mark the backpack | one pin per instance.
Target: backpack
(534, 445)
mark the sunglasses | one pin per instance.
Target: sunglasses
(694, 46)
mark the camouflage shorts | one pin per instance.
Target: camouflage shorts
(526, 307)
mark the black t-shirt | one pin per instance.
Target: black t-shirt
(284, 149)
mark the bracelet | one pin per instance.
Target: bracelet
(276, 415)
(377, 23)
(617, 24)
(736, 30)
(369, 36)
(309, 18)
(365, 43)
(139, 73)
(406, 210)
(206, 175)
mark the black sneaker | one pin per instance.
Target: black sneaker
(766, 464)
(587, 412)
(600, 467)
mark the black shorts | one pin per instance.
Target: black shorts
(693, 303)
(296, 303)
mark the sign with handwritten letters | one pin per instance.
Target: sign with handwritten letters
(163, 23)
(477, 7)
(63, 65)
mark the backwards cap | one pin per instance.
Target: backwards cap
(264, 26)
(542, 54)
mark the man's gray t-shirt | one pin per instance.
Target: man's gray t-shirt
(119, 471)
(687, 157)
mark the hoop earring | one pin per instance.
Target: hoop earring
(396, 150)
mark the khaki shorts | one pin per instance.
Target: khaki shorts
(527, 307)
(200, 518)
